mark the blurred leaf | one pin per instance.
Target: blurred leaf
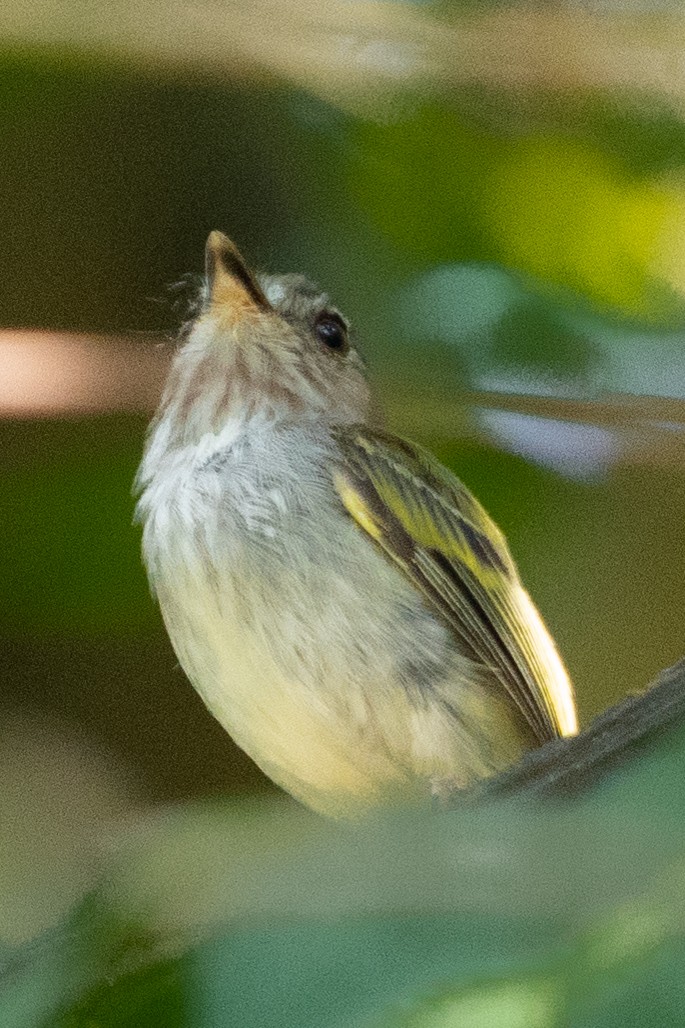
(419, 179)
(562, 211)
(153, 996)
(530, 337)
(458, 303)
(649, 138)
(558, 209)
(518, 1003)
(534, 914)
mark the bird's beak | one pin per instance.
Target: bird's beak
(232, 290)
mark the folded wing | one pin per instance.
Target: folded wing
(430, 525)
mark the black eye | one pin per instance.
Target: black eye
(332, 333)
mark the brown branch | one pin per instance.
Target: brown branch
(636, 726)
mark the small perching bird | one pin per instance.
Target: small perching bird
(341, 602)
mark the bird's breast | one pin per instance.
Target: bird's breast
(313, 651)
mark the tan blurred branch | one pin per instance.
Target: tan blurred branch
(346, 50)
(62, 375)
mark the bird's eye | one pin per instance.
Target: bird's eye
(332, 333)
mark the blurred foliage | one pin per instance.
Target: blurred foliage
(127, 178)
(518, 915)
(76, 564)
(482, 237)
(524, 330)
(557, 208)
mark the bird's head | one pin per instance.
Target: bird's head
(267, 346)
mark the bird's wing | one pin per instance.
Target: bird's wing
(431, 526)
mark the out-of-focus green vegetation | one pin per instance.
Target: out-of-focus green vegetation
(508, 914)
(495, 194)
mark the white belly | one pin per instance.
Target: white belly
(304, 642)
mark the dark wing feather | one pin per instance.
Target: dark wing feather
(432, 527)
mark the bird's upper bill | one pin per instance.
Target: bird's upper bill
(232, 290)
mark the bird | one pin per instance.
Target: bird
(342, 603)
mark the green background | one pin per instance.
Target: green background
(511, 266)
